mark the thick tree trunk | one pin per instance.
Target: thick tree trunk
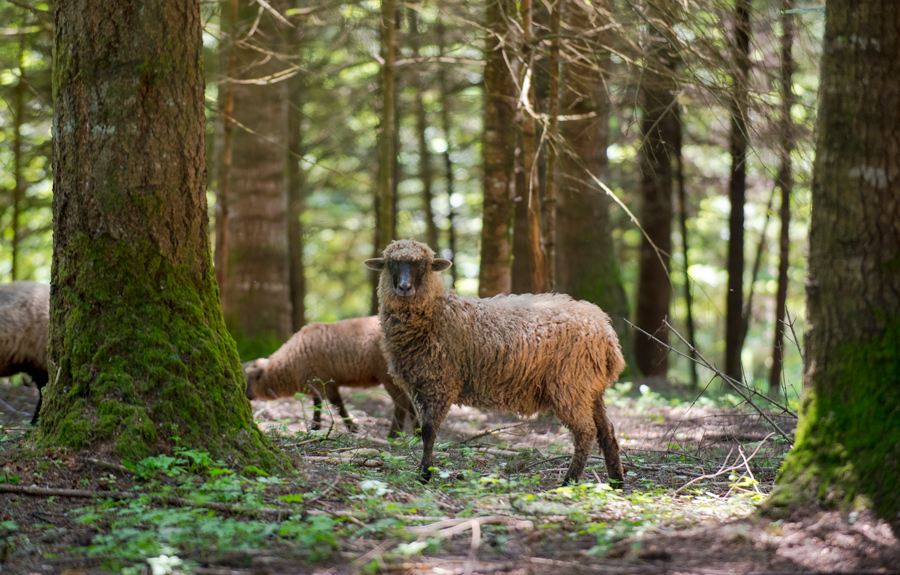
(138, 350)
(536, 258)
(425, 172)
(737, 191)
(258, 296)
(587, 267)
(786, 183)
(659, 133)
(498, 149)
(847, 448)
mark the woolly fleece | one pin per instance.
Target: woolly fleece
(345, 353)
(519, 353)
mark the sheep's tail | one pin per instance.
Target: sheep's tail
(615, 363)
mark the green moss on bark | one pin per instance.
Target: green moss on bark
(847, 449)
(144, 357)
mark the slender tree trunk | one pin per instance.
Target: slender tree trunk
(19, 179)
(258, 288)
(847, 448)
(587, 264)
(226, 99)
(296, 193)
(553, 151)
(737, 191)
(138, 352)
(521, 269)
(785, 182)
(498, 149)
(425, 173)
(682, 221)
(387, 156)
(536, 258)
(747, 309)
(659, 132)
(448, 137)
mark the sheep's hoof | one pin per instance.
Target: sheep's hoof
(425, 476)
(617, 483)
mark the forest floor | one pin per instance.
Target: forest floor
(694, 478)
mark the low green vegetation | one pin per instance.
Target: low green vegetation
(357, 500)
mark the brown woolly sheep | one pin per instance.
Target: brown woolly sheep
(524, 353)
(345, 353)
(24, 320)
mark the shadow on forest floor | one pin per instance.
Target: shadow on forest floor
(494, 506)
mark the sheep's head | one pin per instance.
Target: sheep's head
(253, 373)
(406, 263)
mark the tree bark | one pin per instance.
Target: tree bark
(737, 191)
(587, 267)
(553, 151)
(425, 172)
(786, 183)
(138, 352)
(387, 154)
(847, 448)
(18, 177)
(682, 221)
(498, 149)
(296, 193)
(258, 297)
(448, 160)
(226, 99)
(536, 258)
(659, 133)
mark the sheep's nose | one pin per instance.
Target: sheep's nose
(404, 286)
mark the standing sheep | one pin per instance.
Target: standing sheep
(345, 353)
(24, 320)
(525, 354)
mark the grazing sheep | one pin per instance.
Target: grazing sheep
(524, 353)
(24, 320)
(345, 353)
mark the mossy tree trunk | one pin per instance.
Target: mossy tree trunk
(138, 352)
(257, 284)
(847, 448)
(586, 265)
(659, 132)
(498, 149)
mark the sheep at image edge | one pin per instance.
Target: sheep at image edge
(520, 353)
(345, 353)
(24, 321)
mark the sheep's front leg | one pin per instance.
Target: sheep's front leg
(433, 411)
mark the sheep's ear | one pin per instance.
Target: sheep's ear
(376, 264)
(440, 265)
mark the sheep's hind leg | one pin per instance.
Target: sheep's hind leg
(402, 408)
(40, 380)
(606, 436)
(334, 396)
(433, 414)
(583, 432)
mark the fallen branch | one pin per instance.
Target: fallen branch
(722, 470)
